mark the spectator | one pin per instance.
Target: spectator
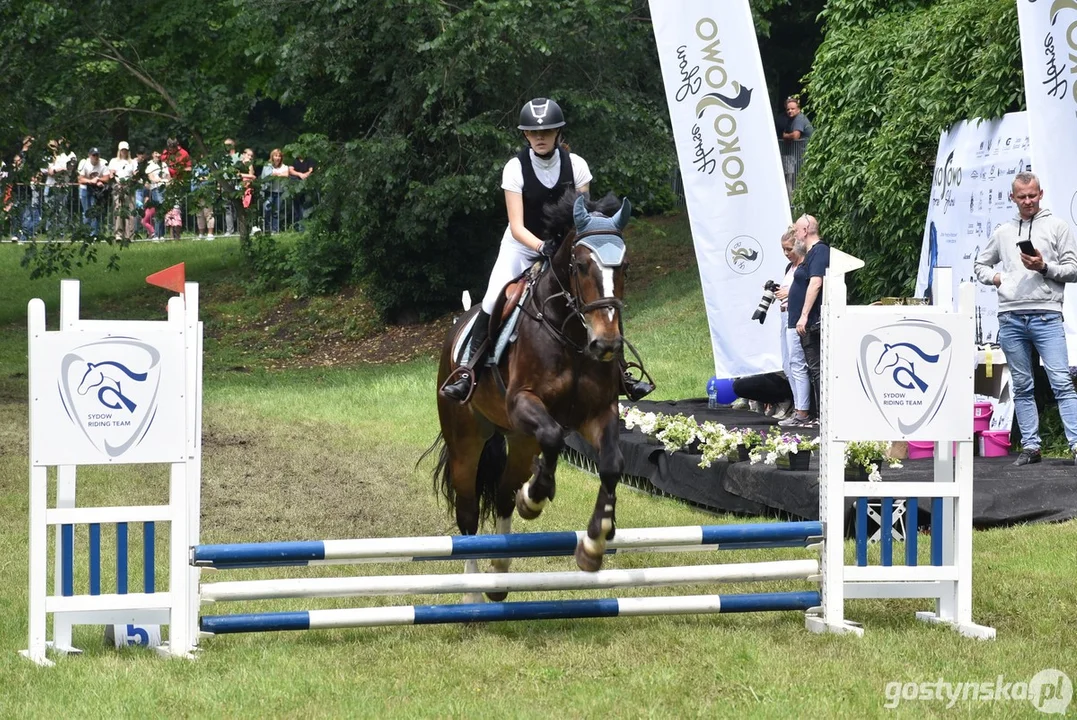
(805, 303)
(177, 159)
(141, 185)
(232, 191)
(93, 179)
(122, 172)
(1030, 291)
(202, 188)
(767, 389)
(793, 361)
(57, 174)
(794, 131)
(27, 174)
(276, 174)
(300, 170)
(245, 170)
(157, 178)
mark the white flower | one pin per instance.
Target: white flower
(772, 457)
(647, 423)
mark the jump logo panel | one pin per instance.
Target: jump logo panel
(903, 369)
(109, 390)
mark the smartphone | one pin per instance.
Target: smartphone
(1026, 247)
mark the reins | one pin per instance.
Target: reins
(571, 298)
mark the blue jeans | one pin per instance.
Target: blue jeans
(272, 212)
(88, 200)
(795, 366)
(1018, 334)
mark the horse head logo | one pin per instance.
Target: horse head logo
(903, 369)
(110, 393)
(900, 357)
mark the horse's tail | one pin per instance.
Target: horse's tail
(442, 477)
(491, 467)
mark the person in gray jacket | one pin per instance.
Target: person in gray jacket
(1038, 255)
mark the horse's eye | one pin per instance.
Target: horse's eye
(580, 266)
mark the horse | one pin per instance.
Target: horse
(499, 452)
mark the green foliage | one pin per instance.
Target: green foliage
(416, 104)
(888, 78)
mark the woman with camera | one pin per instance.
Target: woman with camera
(793, 360)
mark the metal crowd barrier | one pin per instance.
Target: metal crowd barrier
(46, 212)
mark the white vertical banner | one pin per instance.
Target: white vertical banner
(1048, 49)
(727, 148)
(969, 198)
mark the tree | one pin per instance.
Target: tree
(415, 103)
(887, 79)
(125, 71)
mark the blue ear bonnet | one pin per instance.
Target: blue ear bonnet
(603, 233)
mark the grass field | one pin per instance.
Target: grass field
(330, 452)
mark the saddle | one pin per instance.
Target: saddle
(505, 315)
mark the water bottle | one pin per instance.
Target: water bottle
(712, 393)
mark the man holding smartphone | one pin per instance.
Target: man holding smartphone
(1038, 255)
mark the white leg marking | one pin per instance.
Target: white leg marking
(535, 506)
(503, 526)
(472, 566)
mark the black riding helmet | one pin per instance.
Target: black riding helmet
(541, 114)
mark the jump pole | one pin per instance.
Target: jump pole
(499, 612)
(509, 581)
(470, 547)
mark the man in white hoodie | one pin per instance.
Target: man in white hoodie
(1038, 256)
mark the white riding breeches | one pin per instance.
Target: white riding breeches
(512, 259)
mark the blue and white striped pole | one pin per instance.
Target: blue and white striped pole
(468, 547)
(366, 586)
(498, 612)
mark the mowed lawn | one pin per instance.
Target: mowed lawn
(331, 453)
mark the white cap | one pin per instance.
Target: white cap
(124, 145)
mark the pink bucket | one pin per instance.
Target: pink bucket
(920, 450)
(982, 417)
(994, 443)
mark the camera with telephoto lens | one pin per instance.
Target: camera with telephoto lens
(760, 313)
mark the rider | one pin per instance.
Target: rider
(540, 174)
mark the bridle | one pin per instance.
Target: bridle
(571, 296)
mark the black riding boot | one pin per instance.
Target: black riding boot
(468, 374)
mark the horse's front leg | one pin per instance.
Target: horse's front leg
(603, 434)
(529, 416)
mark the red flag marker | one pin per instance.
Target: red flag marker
(171, 278)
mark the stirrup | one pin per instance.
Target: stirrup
(633, 387)
(635, 390)
(462, 374)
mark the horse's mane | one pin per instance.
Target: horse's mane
(559, 214)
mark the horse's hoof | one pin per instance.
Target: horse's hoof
(525, 509)
(473, 599)
(585, 562)
(497, 596)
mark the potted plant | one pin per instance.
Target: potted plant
(633, 417)
(864, 458)
(717, 443)
(677, 432)
(785, 450)
(747, 441)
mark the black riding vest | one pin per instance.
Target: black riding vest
(537, 196)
